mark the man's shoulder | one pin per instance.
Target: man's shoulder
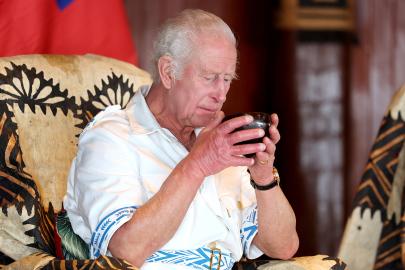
(112, 120)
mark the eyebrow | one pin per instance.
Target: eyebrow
(233, 75)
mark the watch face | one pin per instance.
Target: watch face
(276, 176)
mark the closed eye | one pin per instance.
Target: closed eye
(228, 78)
(211, 78)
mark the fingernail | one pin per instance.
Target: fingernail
(249, 118)
(261, 133)
(262, 146)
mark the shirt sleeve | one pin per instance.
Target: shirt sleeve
(105, 182)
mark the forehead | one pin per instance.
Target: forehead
(214, 54)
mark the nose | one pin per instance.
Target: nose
(221, 89)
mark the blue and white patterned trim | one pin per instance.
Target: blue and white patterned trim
(248, 230)
(104, 228)
(197, 258)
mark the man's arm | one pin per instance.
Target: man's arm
(276, 236)
(154, 223)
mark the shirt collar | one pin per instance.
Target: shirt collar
(141, 119)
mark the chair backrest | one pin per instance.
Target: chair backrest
(374, 235)
(50, 99)
(45, 102)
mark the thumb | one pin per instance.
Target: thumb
(216, 120)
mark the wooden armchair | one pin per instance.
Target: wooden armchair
(45, 102)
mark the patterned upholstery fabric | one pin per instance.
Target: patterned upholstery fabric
(374, 237)
(317, 262)
(45, 102)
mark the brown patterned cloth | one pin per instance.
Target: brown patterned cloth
(374, 237)
(45, 102)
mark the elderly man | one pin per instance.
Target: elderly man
(163, 184)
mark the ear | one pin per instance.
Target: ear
(165, 71)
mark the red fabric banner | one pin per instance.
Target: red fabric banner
(66, 27)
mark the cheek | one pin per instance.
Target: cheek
(196, 96)
(193, 96)
(186, 104)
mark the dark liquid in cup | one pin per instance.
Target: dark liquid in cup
(260, 120)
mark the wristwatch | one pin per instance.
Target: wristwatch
(272, 184)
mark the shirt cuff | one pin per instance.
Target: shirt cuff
(101, 236)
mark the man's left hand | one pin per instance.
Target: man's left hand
(262, 169)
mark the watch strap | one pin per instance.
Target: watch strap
(272, 184)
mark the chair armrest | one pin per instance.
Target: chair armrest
(317, 262)
(42, 260)
(34, 261)
(102, 262)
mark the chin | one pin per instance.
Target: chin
(202, 121)
(202, 118)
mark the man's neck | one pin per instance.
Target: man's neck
(155, 101)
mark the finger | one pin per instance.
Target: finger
(216, 120)
(274, 134)
(247, 149)
(242, 161)
(234, 123)
(270, 146)
(266, 140)
(264, 159)
(245, 135)
(274, 119)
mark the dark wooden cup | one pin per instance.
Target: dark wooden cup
(260, 120)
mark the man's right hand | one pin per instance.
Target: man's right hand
(215, 149)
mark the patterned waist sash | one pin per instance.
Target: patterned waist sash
(203, 258)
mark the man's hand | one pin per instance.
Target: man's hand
(277, 236)
(215, 149)
(262, 169)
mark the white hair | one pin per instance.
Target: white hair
(178, 38)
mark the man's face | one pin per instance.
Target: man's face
(204, 84)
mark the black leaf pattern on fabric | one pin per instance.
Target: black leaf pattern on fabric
(114, 91)
(339, 265)
(29, 89)
(25, 86)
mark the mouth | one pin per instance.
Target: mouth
(208, 110)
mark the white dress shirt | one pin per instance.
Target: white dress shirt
(123, 158)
